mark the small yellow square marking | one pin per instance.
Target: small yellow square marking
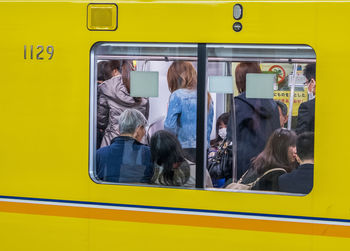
(102, 17)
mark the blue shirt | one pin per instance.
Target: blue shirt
(124, 161)
(182, 117)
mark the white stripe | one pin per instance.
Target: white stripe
(183, 212)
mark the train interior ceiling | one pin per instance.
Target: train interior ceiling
(281, 76)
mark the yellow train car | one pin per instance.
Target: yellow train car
(50, 198)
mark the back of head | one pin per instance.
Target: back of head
(181, 74)
(241, 73)
(283, 107)
(116, 65)
(166, 148)
(275, 153)
(166, 151)
(310, 72)
(305, 146)
(130, 120)
(104, 71)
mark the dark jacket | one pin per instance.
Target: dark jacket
(256, 119)
(299, 180)
(268, 182)
(124, 161)
(306, 117)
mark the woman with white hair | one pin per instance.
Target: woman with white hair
(126, 160)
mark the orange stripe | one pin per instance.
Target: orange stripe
(178, 219)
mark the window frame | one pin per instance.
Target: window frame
(202, 88)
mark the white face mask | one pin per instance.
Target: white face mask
(311, 95)
(222, 133)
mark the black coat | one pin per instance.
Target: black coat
(256, 119)
(306, 117)
(299, 180)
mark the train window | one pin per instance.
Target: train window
(143, 114)
(264, 131)
(259, 116)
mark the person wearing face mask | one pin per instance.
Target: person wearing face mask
(126, 160)
(218, 142)
(306, 113)
(221, 130)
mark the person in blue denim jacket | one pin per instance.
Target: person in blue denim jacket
(182, 111)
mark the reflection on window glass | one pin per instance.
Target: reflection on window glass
(262, 134)
(144, 84)
(260, 116)
(146, 109)
(260, 85)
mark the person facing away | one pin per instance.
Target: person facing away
(283, 112)
(170, 165)
(256, 119)
(103, 73)
(126, 160)
(181, 118)
(114, 97)
(306, 113)
(301, 179)
(280, 153)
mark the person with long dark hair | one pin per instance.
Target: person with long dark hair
(221, 130)
(278, 157)
(171, 168)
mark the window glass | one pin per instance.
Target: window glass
(260, 115)
(258, 143)
(143, 108)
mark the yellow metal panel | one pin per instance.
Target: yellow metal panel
(44, 105)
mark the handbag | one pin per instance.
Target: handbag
(220, 165)
(239, 186)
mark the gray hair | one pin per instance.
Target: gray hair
(130, 120)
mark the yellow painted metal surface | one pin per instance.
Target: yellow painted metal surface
(44, 130)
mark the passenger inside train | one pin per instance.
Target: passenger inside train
(250, 148)
(126, 160)
(306, 114)
(283, 112)
(300, 180)
(171, 168)
(182, 109)
(114, 97)
(277, 158)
